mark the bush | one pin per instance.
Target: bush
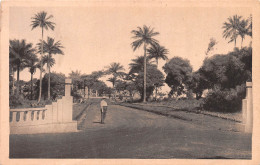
(229, 100)
(15, 101)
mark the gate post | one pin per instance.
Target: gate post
(249, 108)
(67, 102)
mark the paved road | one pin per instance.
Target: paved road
(130, 133)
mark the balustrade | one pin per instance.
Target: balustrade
(28, 115)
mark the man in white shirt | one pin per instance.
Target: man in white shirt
(103, 108)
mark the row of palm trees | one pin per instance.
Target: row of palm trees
(234, 27)
(23, 55)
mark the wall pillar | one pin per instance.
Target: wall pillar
(249, 108)
(67, 102)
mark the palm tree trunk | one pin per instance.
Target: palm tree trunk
(49, 78)
(40, 89)
(17, 82)
(31, 86)
(49, 82)
(88, 92)
(84, 89)
(144, 99)
(235, 42)
(12, 71)
(241, 42)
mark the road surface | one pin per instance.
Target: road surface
(131, 133)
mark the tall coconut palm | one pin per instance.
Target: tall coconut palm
(43, 21)
(32, 64)
(243, 30)
(144, 36)
(157, 52)
(249, 28)
(116, 69)
(19, 52)
(231, 28)
(51, 48)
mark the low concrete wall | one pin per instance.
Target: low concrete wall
(53, 118)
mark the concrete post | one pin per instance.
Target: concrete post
(249, 108)
(67, 102)
(68, 83)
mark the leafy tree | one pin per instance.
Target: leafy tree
(43, 21)
(227, 71)
(32, 63)
(178, 71)
(196, 83)
(19, 52)
(51, 48)
(144, 36)
(57, 85)
(99, 86)
(211, 45)
(155, 78)
(76, 80)
(91, 79)
(157, 52)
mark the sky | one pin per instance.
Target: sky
(94, 37)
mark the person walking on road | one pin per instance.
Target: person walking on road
(103, 109)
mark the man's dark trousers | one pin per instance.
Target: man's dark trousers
(103, 114)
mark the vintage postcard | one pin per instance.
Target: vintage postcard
(133, 82)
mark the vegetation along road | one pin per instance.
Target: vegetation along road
(132, 133)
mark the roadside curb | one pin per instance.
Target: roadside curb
(174, 109)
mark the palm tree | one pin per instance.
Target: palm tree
(113, 81)
(231, 28)
(116, 69)
(32, 64)
(51, 48)
(144, 36)
(243, 30)
(42, 20)
(157, 52)
(137, 64)
(19, 52)
(249, 28)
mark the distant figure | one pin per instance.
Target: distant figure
(103, 109)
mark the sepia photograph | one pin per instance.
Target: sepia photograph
(129, 81)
